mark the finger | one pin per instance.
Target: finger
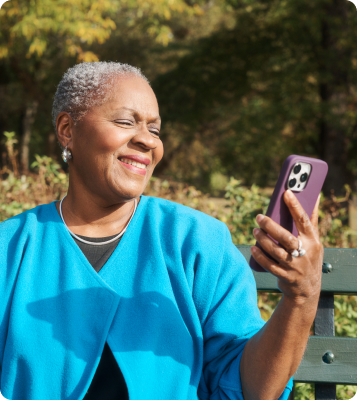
(274, 250)
(315, 215)
(268, 264)
(302, 220)
(278, 233)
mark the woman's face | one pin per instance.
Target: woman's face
(117, 145)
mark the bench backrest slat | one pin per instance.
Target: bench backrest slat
(341, 280)
(342, 371)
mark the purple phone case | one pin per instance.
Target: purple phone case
(278, 211)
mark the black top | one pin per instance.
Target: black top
(108, 382)
(97, 255)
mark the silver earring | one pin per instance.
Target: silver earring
(66, 154)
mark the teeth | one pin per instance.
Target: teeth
(131, 162)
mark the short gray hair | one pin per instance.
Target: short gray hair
(86, 85)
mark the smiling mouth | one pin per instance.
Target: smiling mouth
(134, 163)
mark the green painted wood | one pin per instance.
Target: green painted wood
(343, 370)
(341, 280)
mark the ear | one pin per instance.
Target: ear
(64, 128)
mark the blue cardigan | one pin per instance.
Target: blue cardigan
(176, 303)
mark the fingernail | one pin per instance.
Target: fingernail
(259, 218)
(256, 231)
(253, 249)
(289, 193)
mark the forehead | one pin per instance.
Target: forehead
(132, 93)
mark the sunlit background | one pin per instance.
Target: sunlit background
(241, 85)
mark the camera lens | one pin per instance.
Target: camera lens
(303, 177)
(292, 183)
(297, 169)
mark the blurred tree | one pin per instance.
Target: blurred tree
(280, 81)
(241, 83)
(40, 39)
(31, 49)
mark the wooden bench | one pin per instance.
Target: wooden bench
(328, 360)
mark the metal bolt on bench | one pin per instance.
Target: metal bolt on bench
(328, 360)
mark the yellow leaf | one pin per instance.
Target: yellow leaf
(167, 14)
(4, 51)
(37, 46)
(87, 56)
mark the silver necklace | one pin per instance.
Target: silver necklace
(97, 243)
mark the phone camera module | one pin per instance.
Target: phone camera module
(299, 176)
(292, 183)
(297, 169)
(303, 178)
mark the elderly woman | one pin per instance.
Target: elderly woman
(110, 294)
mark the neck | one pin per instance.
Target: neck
(92, 217)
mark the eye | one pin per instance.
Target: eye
(155, 132)
(154, 129)
(124, 122)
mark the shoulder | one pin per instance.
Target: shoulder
(26, 222)
(179, 215)
(182, 227)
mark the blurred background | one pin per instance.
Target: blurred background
(241, 85)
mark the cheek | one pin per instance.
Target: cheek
(110, 142)
(104, 139)
(158, 152)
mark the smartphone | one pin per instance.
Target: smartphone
(304, 176)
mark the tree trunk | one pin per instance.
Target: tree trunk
(52, 146)
(28, 120)
(334, 64)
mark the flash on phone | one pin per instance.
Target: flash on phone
(299, 177)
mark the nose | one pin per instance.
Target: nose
(144, 138)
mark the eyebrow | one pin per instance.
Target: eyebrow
(158, 118)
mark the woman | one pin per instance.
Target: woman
(113, 295)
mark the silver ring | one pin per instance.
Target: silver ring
(299, 252)
(295, 253)
(300, 245)
(302, 252)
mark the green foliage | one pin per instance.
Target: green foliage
(346, 316)
(49, 171)
(28, 26)
(244, 205)
(333, 214)
(239, 83)
(346, 392)
(304, 391)
(279, 81)
(13, 193)
(41, 39)
(21, 193)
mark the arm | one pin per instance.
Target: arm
(273, 355)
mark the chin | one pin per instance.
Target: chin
(129, 193)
